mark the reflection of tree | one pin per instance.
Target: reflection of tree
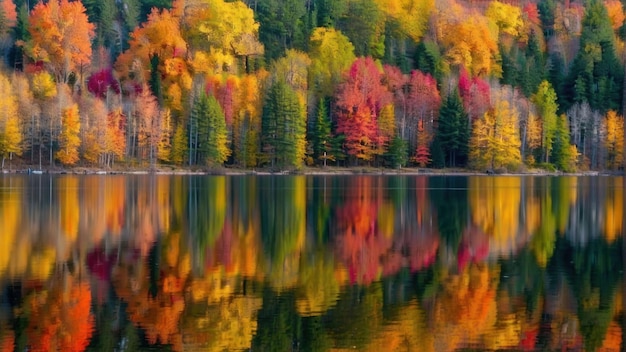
(7, 338)
(449, 197)
(283, 226)
(408, 331)
(278, 323)
(495, 207)
(359, 241)
(318, 288)
(207, 209)
(465, 308)
(154, 290)
(10, 213)
(60, 317)
(227, 325)
(357, 316)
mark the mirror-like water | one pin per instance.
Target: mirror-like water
(281, 263)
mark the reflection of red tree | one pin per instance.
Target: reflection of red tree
(7, 339)
(359, 242)
(60, 318)
(474, 247)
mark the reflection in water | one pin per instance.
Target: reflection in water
(311, 263)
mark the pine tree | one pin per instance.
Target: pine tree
(283, 127)
(564, 156)
(398, 153)
(212, 132)
(452, 130)
(322, 137)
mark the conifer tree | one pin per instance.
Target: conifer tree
(452, 131)
(212, 133)
(283, 127)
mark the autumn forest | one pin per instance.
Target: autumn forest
(283, 84)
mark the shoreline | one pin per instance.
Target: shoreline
(306, 171)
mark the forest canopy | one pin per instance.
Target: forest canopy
(282, 84)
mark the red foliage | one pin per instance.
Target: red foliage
(423, 98)
(475, 93)
(360, 98)
(7, 7)
(532, 13)
(100, 82)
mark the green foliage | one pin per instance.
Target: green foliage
(282, 26)
(212, 133)
(564, 157)
(364, 25)
(545, 100)
(453, 130)
(283, 127)
(427, 58)
(596, 74)
(398, 153)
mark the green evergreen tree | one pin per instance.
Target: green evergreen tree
(283, 127)
(398, 153)
(563, 157)
(453, 131)
(281, 26)
(322, 138)
(212, 133)
(596, 72)
(438, 157)
(427, 58)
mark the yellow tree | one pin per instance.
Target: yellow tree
(69, 139)
(222, 32)
(470, 42)
(507, 17)
(614, 141)
(411, 16)
(495, 141)
(10, 131)
(60, 37)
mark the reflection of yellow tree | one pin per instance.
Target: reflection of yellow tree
(543, 241)
(614, 208)
(60, 318)
(227, 325)
(318, 286)
(115, 191)
(465, 308)
(10, 213)
(495, 204)
(407, 332)
(69, 210)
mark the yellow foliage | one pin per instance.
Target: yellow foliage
(495, 204)
(507, 17)
(614, 141)
(69, 209)
(411, 15)
(616, 13)
(69, 139)
(614, 208)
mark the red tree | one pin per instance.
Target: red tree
(360, 99)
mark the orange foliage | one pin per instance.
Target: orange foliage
(613, 339)
(7, 339)
(616, 13)
(60, 319)
(360, 242)
(60, 36)
(465, 309)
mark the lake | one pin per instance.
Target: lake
(311, 263)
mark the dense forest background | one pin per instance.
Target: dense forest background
(286, 83)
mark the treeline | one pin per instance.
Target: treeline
(287, 83)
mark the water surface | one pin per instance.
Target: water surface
(280, 263)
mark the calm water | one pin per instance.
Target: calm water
(300, 263)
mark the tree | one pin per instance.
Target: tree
(564, 153)
(281, 26)
(322, 138)
(331, 53)
(545, 101)
(614, 141)
(359, 102)
(69, 140)
(212, 134)
(596, 74)
(283, 127)
(60, 37)
(495, 139)
(364, 24)
(10, 131)
(453, 130)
